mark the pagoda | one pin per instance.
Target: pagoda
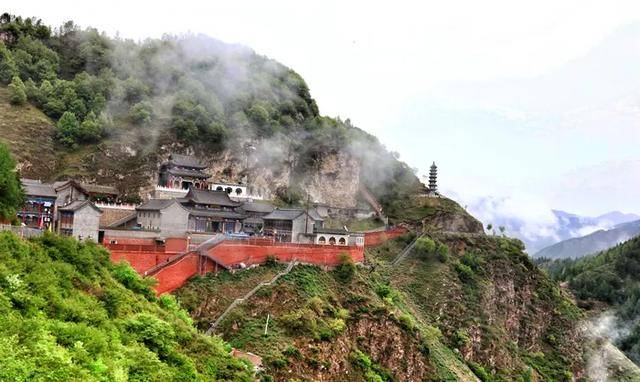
(433, 175)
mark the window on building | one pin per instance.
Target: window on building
(342, 241)
(322, 240)
(332, 240)
(238, 191)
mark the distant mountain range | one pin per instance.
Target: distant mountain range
(540, 229)
(594, 242)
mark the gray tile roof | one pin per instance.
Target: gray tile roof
(216, 214)
(86, 187)
(99, 189)
(291, 214)
(187, 172)
(257, 207)
(283, 214)
(219, 198)
(78, 204)
(185, 161)
(155, 204)
(36, 188)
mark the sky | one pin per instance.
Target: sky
(536, 103)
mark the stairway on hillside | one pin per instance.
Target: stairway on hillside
(253, 291)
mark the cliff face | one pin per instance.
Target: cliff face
(496, 308)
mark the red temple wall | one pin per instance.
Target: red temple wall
(379, 237)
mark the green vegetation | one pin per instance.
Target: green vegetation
(68, 314)
(611, 277)
(11, 194)
(468, 297)
(452, 326)
(188, 90)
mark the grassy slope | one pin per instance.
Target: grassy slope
(29, 135)
(324, 329)
(418, 321)
(68, 314)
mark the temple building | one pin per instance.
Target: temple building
(79, 219)
(182, 172)
(212, 211)
(39, 207)
(255, 212)
(70, 190)
(292, 225)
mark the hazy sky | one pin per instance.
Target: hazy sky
(536, 102)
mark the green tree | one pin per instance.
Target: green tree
(90, 129)
(141, 113)
(11, 194)
(425, 246)
(68, 129)
(17, 94)
(7, 64)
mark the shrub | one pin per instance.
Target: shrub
(17, 94)
(360, 359)
(480, 372)
(465, 273)
(316, 304)
(442, 252)
(406, 322)
(141, 113)
(425, 246)
(383, 290)
(302, 321)
(337, 326)
(345, 271)
(461, 338)
(271, 261)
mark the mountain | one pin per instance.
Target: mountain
(529, 221)
(81, 104)
(608, 282)
(459, 307)
(591, 243)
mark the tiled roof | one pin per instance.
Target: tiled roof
(78, 204)
(291, 214)
(216, 214)
(219, 198)
(36, 188)
(283, 214)
(86, 187)
(257, 207)
(99, 189)
(187, 172)
(333, 231)
(155, 204)
(185, 161)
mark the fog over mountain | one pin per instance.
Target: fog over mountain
(539, 227)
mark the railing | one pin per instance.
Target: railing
(247, 296)
(135, 247)
(170, 189)
(120, 206)
(22, 231)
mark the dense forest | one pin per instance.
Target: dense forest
(611, 279)
(204, 93)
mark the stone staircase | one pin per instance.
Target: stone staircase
(253, 291)
(405, 252)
